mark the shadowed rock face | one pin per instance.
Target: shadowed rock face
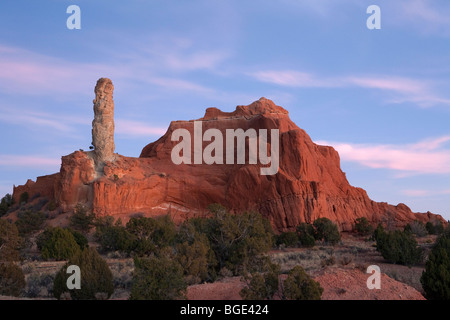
(103, 123)
(309, 183)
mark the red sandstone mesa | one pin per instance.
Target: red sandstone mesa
(309, 183)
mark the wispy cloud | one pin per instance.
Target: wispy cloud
(35, 119)
(424, 193)
(136, 128)
(401, 89)
(68, 123)
(430, 156)
(429, 17)
(292, 78)
(408, 90)
(27, 72)
(31, 161)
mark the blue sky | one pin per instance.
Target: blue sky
(380, 97)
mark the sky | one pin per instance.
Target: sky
(380, 97)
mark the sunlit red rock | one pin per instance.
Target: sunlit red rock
(309, 183)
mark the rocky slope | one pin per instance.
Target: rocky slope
(309, 183)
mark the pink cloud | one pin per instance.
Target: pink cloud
(32, 161)
(407, 89)
(135, 128)
(423, 157)
(424, 193)
(292, 78)
(30, 118)
(404, 89)
(27, 72)
(426, 16)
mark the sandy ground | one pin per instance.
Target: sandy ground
(338, 284)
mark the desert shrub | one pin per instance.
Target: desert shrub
(165, 232)
(24, 197)
(188, 234)
(39, 285)
(363, 227)
(80, 239)
(150, 235)
(81, 220)
(57, 243)
(305, 233)
(12, 279)
(300, 286)
(157, 278)
(29, 221)
(103, 221)
(345, 260)
(417, 228)
(5, 204)
(288, 239)
(194, 259)
(10, 241)
(378, 234)
(237, 239)
(114, 238)
(51, 205)
(329, 261)
(435, 279)
(434, 228)
(263, 284)
(398, 246)
(326, 230)
(96, 277)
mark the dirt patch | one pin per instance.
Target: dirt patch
(351, 284)
(225, 289)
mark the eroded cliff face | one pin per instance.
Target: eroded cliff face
(309, 183)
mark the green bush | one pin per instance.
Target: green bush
(151, 235)
(195, 259)
(10, 241)
(237, 239)
(262, 284)
(363, 226)
(80, 239)
(29, 221)
(300, 286)
(5, 204)
(24, 197)
(12, 280)
(81, 220)
(434, 228)
(288, 239)
(157, 278)
(435, 279)
(398, 246)
(305, 233)
(114, 238)
(188, 234)
(96, 277)
(326, 230)
(57, 243)
(51, 205)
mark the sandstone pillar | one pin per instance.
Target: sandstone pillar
(103, 123)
